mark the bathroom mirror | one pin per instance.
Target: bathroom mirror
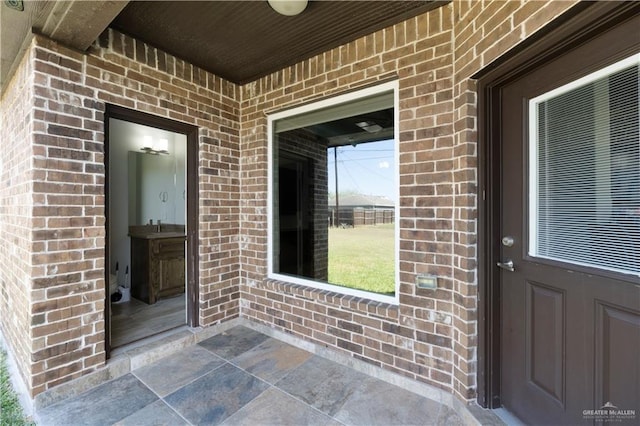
(157, 189)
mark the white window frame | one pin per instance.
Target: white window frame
(388, 87)
(533, 150)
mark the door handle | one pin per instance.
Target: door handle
(507, 266)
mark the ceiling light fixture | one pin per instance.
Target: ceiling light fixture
(288, 7)
(369, 126)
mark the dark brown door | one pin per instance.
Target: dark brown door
(569, 256)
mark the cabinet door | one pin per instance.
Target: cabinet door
(171, 267)
(172, 276)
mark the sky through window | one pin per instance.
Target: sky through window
(367, 168)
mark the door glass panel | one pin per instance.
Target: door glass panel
(585, 171)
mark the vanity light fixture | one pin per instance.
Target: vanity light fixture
(163, 146)
(149, 146)
(288, 7)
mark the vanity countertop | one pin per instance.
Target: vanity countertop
(150, 232)
(157, 235)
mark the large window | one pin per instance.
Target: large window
(333, 194)
(585, 171)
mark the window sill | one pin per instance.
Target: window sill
(356, 300)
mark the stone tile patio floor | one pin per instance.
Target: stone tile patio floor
(243, 377)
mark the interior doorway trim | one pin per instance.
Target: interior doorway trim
(191, 132)
(582, 22)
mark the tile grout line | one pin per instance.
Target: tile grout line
(159, 399)
(162, 398)
(274, 384)
(224, 362)
(314, 355)
(440, 404)
(189, 382)
(269, 353)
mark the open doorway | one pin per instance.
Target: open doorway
(150, 263)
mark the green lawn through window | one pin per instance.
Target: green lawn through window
(363, 258)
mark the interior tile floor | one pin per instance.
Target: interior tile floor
(135, 320)
(243, 377)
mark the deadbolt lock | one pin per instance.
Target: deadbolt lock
(507, 241)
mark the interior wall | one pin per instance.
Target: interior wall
(120, 143)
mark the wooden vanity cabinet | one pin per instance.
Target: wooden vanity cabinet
(157, 267)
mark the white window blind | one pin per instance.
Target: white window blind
(585, 171)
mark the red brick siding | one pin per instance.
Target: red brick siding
(68, 230)
(16, 221)
(414, 339)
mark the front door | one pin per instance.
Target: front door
(569, 237)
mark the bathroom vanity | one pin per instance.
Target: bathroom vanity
(157, 261)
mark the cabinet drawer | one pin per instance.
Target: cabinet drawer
(168, 247)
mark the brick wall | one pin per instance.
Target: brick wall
(68, 286)
(414, 338)
(16, 204)
(62, 295)
(432, 335)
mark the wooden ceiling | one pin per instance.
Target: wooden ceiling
(239, 40)
(245, 40)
